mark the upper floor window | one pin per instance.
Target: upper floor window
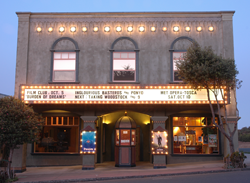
(124, 61)
(64, 61)
(177, 52)
(124, 66)
(177, 56)
(64, 66)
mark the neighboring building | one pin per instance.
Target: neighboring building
(3, 95)
(86, 70)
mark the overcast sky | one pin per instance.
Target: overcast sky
(241, 21)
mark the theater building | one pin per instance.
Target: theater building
(108, 88)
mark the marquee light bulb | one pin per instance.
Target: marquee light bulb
(61, 29)
(39, 29)
(96, 29)
(73, 29)
(130, 29)
(199, 29)
(50, 29)
(106, 29)
(164, 29)
(141, 29)
(118, 29)
(176, 29)
(153, 29)
(188, 29)
(211, 28)
(84, 29)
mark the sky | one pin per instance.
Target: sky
(241, 28)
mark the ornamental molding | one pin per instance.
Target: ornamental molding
(125, 19)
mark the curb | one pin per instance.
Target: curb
(139, 176)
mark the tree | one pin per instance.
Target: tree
(19, 124)
(203, 69)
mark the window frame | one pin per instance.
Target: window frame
(76, 51)
(171, 136)
(112, 51)
(172, 64)
(134, 59)
(53, 79)
(60, 126)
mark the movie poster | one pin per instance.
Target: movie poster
(159, 142)
(212, 140)
(88, 142)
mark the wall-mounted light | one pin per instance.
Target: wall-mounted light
(176, 28)
(107, 29)
(95, 29)
(187, 29)
(118, 29)
(50, 29)
(130, 29)
(199, 28)
(211, 28)
(61, 29)
(164, 29)
(38, 29)
(153, 29)
(84, 29)
(141, 29)
(73, 29)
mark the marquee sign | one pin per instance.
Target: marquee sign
(117, 94)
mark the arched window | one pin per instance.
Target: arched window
(124, 61)
(64, 61)
(177, 50)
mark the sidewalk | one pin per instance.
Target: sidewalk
(107, 171)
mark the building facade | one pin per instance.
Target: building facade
(88, 70)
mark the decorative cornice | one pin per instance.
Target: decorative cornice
(126, 19)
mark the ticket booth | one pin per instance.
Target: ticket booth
(125, 134)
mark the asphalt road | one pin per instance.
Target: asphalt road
(225, 177)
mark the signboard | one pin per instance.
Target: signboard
(212, 140)
(149, 95)
(88, 142)
(159, 142)
(125, 138)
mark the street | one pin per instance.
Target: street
(227, 177)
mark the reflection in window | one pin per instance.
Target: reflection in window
(124, 66)
(59, 135)
(177, 56)
(64, 66)
(195, 135)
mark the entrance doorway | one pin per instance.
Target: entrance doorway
(106, 136)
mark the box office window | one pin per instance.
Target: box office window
(64, 66)
(124, 66)
(195, 135)
(60, 134)
(177, 56)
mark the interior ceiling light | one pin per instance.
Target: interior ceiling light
(199, 28)
(84, 29)
(176, 29)
(39, 29)
(73, 29)
(106, 29)
(61, 29)
(96, 29)
(188, 29)
(211, 28)
(153, 29)
(164, 29)
(50, 29)
(130, 29)
(118, 29)
(141, 29)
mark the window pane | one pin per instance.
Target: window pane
(54, 120)
(124, 65)
(64, 65)
(71, 120)
(48, 120)
(124, 75)
(117, 55)
(59, 120)
(57, 55)
(131, 55)
(72, 55)
(64, 76)
(124, 55)
(65, 120)
(65, 55)
(191, 139)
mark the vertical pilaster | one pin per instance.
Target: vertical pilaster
(22, 51)
(159, 161)
(88, 160)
